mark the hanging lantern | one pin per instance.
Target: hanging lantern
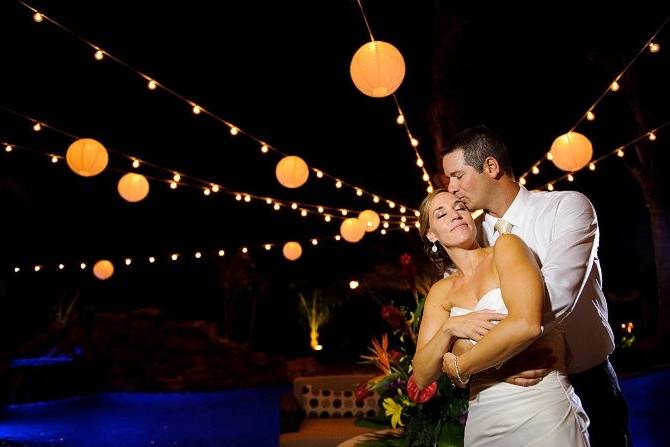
(292, 171)
(370, 220)
(352, 229)
(103, 269)
(133, 187)
(292, 250)
(377, 69)
(87, 157)
(571, 151)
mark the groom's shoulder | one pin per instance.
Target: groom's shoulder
(557, 198)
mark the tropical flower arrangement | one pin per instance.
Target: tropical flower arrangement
(434, 416)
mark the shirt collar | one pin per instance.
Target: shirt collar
(516, 211)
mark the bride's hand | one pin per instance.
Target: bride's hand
(473, 325)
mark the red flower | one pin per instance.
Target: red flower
(362, 391)
(406, 259)
(394, 317)
(417, 395)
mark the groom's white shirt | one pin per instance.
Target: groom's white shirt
(562, 230)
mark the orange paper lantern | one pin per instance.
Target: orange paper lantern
(571, 151)
(377, 69)
(103, 269)
(87, 157)
(292, 171)
(370, 220)
(352, 229)
(133, 187)
(292, 250)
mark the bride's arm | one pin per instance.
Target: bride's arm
(438, 332)
(523, 292)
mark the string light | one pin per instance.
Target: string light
(206, 191)
(619, 152)
(652, 136)
(82, 265)
(276, 206)
(614, 85)
(535, 170)
(359, 192)
(153, 84)
(38, 17)
(338, 184)
(400, 120)
(268, 247)
(136, 163)
(61, 266)
(344, 212)
(414, 142)
(327, 218)
(8, 148)
(245, 250)
(176, 177)
(314, 242)
(550, 156)
(17, 269)
(198, 255)
(37, 127)
(403, 209)
(174, 257)
(215, 188)
(173, 185)
(522, 180)
(303, 213)
(128, 261)
(222, 253)
(37, 268)
(247, 198)
(152, 259)
(54, 159)
(294, 206)
(375, 199)
(319, 174)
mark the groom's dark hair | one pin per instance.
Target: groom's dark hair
(477, 144)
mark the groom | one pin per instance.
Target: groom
(562, 230)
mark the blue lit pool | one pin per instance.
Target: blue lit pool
(648, 396)
(236, 418)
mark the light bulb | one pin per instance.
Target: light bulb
(264, 148)
(391, 204)
(198, 255)
(38, 17)
(338, 184)
(196, 109)
(653, 47)
(550, 187)
(320, 209)
(234, 131)
(128, 261)
(319, 174)
(344, 212)
(375, 199)
(417, 214)
(327, 218)
(383, 231)
(99, 55)
(238, 197)
(268, 201)
(152, 259)
(522, 180)
(590, 116)
(294, 206)
(152, 85)
(353, 284)
(54, 159)
(403, 209)
(276, 206)
(402, 225)
(215, 188)
(221, 252)
(652, 136)
(429, 189)
(247, 198)
(173, 185)
(314, 242)
(400, 119)
(37, 127)
(267, 246)
(303, 213)
(615, 86)
(176, 177)
(38, 268)
(338, 237)
(571, 178)
(8, 148)
(359, 192)
(535, 170)
(82, 265)
(386, 216)
(17, 269)
(620, 153)
(414, 142)
(206, 191)
(406, 229)
(245, 249)
(174, 257)
(386, 225)
(61, 266)
(419, 162)
(425, 177)
(592, 166)
(550, 156)
(136, 163)
(403, 219)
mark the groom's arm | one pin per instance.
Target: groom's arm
(567, 264)
(572, 246)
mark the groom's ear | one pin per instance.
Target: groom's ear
(492, 167)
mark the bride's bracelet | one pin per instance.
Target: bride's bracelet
(458, 373)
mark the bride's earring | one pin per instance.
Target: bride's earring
(434, 249)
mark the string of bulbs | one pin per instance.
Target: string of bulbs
(651, 46)
(198, 109)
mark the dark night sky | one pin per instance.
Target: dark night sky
(280, 70)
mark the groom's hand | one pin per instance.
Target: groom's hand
(528, 368)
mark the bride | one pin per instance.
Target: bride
(492, 305)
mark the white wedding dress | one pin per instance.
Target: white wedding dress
(501, 414)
